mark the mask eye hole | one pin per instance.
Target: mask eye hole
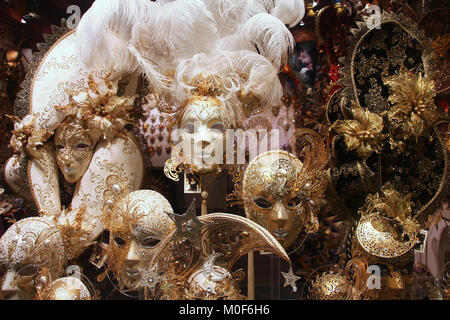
(119, 241)
(60, 147)
(262, 203)
(295, 201)
(218, 126)
(189, 128)
(149, 242)
(27, 271)
(82, 146)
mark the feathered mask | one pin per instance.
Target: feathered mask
(243, 42)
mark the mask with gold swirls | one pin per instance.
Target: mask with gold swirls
(74, 150)
(28, 246)
(272, 197)
(386, 235)
(137, 223)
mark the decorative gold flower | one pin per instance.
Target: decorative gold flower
(25, 139)
(395, 205)
(399, 208)
(413, 107)
(363, 133)
(102, 108)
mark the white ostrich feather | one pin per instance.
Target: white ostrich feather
(186, 27)
(105, 30)
(291, 12)
(270, 37)
(231, 14)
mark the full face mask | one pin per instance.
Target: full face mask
(272, 195)
(26, 247)
(203, 124)
(74, 150)
(136, 224)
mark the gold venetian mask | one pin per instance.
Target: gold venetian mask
(203, 124)
(26, 247)
(273, 196)
(386, 235)
(137, 224)
(74, 150)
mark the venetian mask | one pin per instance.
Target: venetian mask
(386, 235)
(74, 150)
(136, 224)
(203, 124)
(26, 247)
(273, 196)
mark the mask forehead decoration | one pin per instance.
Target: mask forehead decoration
(137, 223)
(272, 173)
(205, 272)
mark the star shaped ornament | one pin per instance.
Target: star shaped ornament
(150, 278)
(290, 279)
(188, 225)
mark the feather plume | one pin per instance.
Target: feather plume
(270, 37)
(187, 27)
(231, 14)
(290, 12)
(105, 30)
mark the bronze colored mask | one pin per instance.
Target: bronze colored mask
(273, 196)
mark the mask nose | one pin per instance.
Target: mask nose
(67, 158)
(132, 258)
(280, 215)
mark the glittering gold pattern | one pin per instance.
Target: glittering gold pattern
(413, 109)
(386, 228)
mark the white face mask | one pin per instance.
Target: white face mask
(203, 125)
(26, 247)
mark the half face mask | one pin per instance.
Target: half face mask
(273, 196)
(74, 150)
(26, 247)
(203, 124)
(136, 224)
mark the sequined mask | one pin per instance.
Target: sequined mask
(74, 150)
